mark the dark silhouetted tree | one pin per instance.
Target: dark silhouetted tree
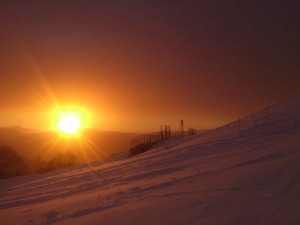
(11, 163)
(62, 160)
(39, 165)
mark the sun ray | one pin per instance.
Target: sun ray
(88, 143)
(48, 95)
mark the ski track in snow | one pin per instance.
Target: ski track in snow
(220, 177)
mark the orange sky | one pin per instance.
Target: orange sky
(139, 65)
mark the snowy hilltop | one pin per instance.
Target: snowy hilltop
(245, 172)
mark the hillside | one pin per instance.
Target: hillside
(246, 172)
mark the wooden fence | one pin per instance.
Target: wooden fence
(156, 137)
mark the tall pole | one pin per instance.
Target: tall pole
(268, 116)
(99, 175)
(240, 127)
(182, 127)
(253, 118)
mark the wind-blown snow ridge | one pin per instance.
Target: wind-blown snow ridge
(226, 176)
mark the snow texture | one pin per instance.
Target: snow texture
(246, 172)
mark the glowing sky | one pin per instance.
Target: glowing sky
(137, 64)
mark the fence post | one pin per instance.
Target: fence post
(268, 116)
(253, 118)
(240, 127)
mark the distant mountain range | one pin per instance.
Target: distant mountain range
(92, 145)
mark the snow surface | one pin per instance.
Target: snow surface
(246, 172)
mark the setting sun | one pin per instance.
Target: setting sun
(70, 119)
(69, 122)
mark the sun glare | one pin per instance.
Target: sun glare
(69, 122)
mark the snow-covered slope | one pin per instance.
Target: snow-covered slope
(246, 172)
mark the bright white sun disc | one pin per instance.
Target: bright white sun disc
(69, 123)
